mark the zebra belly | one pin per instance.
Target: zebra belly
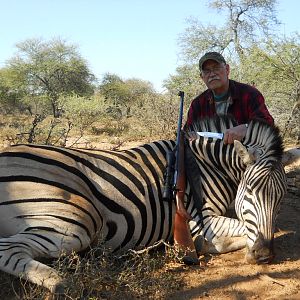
(131, 229)
(73, 221)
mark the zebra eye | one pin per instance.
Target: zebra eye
(249, 194)
(248, 189)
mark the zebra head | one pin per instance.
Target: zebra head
(261, 189)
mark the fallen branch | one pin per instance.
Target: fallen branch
(270, 279)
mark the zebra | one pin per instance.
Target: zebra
(56, 200)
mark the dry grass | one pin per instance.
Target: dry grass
(100, 274)
(16, 129)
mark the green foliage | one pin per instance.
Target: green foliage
(77, 108)
(51, 78)
(112, 128)
(157, 117)
(82, 112)
(10, 96)
(235, 38)
(47, 70)
(256, 56)
(198, 39)
(187, 79)
(122, 94)
(246, 20)
(78, 116)
(274, 68)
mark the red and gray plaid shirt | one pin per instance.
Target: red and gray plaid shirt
(247, 104)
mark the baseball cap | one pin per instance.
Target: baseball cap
(213, 56)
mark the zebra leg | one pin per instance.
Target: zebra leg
(219, 245)
(220, 235)
(41, 274)
(17, 258)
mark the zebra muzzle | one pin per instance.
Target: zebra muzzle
(261, 252)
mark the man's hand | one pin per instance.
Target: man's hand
(235, 133)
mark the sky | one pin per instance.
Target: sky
(130, 38)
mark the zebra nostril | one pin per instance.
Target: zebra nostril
(259, 256)
(265, 260)
(263, 255)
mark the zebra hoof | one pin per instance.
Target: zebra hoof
(58, 290)
(199, 243)
(55, 296)
(190, 261)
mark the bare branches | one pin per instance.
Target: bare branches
(245, 22)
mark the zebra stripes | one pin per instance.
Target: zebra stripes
(251, 175)
(56, 199)
(261, 190)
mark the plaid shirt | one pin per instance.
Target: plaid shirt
(247, 103)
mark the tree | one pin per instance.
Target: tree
(158, 117)
(247, 23)
(278, 73)
(50, 70)
(198, 38)
(187, 78)
(10, 94)
(246, 19)
(122, 94)
(244, 22)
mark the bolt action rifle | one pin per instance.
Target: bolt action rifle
(174, 189)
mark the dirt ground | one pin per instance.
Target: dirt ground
(227, 276)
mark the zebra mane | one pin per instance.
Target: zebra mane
(259, 134)
(215, 124)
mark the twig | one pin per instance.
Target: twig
(270, 279)
(155, 245)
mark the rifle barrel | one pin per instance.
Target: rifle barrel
(179, 126)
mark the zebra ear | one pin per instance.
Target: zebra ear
(247, 156)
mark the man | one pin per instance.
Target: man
(225, 96)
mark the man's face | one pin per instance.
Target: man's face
(215, 75)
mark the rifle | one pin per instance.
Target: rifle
(174, 161)
(176, 191)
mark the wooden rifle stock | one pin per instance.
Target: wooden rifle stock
(182, 233)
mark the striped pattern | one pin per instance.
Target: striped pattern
(56, 199)
(249, 175)
(261, 190)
